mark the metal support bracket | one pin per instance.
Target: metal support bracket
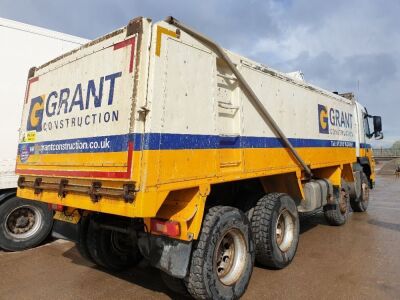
(36, 185)
(94, 191)
(129, 192)
(61, 190)
(21, 181)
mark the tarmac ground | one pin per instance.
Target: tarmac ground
(360, 260)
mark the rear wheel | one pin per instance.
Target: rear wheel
(361, 203)
(336, 214)
(111, 249)
(275, 225)
(24, 223)
(223, 256)
(81, 245)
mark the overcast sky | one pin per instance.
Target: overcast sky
(338, 45)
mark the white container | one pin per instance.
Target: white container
(22, 46)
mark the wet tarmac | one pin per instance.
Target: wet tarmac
(360, 260)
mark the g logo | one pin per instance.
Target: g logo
(323, 119)
(35, 114)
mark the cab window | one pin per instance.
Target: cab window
(367, 131)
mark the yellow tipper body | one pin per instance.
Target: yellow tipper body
(144, 121)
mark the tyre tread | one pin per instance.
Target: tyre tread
(261, 228)
(194, 281)
(332, 212)
(356, 204)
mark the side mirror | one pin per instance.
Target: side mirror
(377, 120)
(378, 135)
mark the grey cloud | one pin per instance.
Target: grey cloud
(233, 23)
(335, 43)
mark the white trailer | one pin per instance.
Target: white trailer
(23, 46)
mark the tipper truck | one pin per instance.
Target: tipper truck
(23, 224)
(153, 142)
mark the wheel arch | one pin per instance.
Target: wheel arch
(287, 183)
(366, 168)
(6, 194)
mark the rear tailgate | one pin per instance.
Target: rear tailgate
(77, 112)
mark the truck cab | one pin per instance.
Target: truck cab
(368, 127)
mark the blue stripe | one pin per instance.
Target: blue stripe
(169, 141)
(365, 146)
(112, 143)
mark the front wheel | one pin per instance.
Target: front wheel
(336, 214)
(24, 223)
(361, 203)
(223, 256)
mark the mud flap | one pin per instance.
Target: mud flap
(169, 255)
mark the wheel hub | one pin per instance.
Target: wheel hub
(365, 192)
(229, 257)
(343, 202)
(23, 222)
(226, 252)
(120, 243)
(284, 231)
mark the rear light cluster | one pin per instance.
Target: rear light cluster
(56, 207)
(169, 228)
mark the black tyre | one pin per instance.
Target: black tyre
(176, 285)
(337, 214)
(360, 204)
(275, 225)
(24, 223)
(223, 256)
(82, 245)
(111, 249)
(92, 241)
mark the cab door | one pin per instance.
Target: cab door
(364, 133)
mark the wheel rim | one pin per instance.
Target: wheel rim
(119, 243)
(343, 202)
(365, 193)
(284, 231)
(230, 256)
(23, 222)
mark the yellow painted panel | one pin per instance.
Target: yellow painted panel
(230, 160)
(182, 165)
(170, 170)
(187, 165)
(368, 153)
(145, 205)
